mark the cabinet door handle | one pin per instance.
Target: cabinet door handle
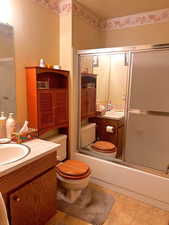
(16, 199)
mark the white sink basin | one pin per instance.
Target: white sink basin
(114, 115)
(12, 152)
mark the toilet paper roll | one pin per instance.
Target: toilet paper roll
(110, 129)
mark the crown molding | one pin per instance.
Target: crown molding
(72, 6)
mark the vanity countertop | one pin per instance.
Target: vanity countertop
(39, 148)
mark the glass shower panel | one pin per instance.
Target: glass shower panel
(148, 110)
(150, 81)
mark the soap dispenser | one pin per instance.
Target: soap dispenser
(10, 125)
(2, 125)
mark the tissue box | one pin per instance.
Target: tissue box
(29, 135)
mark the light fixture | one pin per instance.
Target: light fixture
(5, 11)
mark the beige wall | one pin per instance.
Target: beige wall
(6, 45)
(36, 32)
(85, 36)
(147, 34)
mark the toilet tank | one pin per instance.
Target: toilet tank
(62, 149)
(87, 134)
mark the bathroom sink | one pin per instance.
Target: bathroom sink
(10, 153)
(114, 115)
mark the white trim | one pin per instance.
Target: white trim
(147, 187)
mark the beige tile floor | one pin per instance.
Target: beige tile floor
(125, 211)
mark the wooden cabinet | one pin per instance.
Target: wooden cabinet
(45, 109)
(30, 192)
(31, 203)
(91, 102)
(34, 203)
(83, 102)
(60, 107)
(47, 98)
(88, 95)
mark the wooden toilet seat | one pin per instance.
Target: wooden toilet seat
(104, 147)
(73, 169)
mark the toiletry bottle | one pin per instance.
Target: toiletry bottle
(2, 125)
(10, 125)
(42, 63)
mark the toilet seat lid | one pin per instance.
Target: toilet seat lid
(104, 146)
(73, 168)
(74, 177)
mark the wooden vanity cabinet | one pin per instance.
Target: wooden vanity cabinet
(30, 192)
(31, 203)
(48, 105)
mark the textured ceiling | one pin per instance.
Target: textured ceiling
(116, 8)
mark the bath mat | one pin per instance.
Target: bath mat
(93, 206)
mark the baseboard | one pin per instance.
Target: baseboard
(145, 199)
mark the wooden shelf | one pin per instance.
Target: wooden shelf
(46, 69)
(89, 75)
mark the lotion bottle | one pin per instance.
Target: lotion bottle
(2, 125)
(10, 125)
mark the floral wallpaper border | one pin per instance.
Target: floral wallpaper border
(140, 19)
(72, 6)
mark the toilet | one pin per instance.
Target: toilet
(100, 148)
(73, 176)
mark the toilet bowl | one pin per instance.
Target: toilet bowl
(100, 148)
(73, 176)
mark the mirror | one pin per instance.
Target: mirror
(122, 119)
(7, 70)
(103, 95)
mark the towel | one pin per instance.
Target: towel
(3, 212)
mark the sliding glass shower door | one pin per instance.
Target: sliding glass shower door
(147, 132)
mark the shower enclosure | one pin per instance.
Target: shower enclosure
(123, 100)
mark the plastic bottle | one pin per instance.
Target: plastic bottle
(10, 125)
(2, 125)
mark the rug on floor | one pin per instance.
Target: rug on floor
(93, 206)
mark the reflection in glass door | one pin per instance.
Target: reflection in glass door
(103, 94)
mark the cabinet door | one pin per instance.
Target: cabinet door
(60, 104)
(91, 102)
(83, 102)
(45, 109)
(34, 203)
